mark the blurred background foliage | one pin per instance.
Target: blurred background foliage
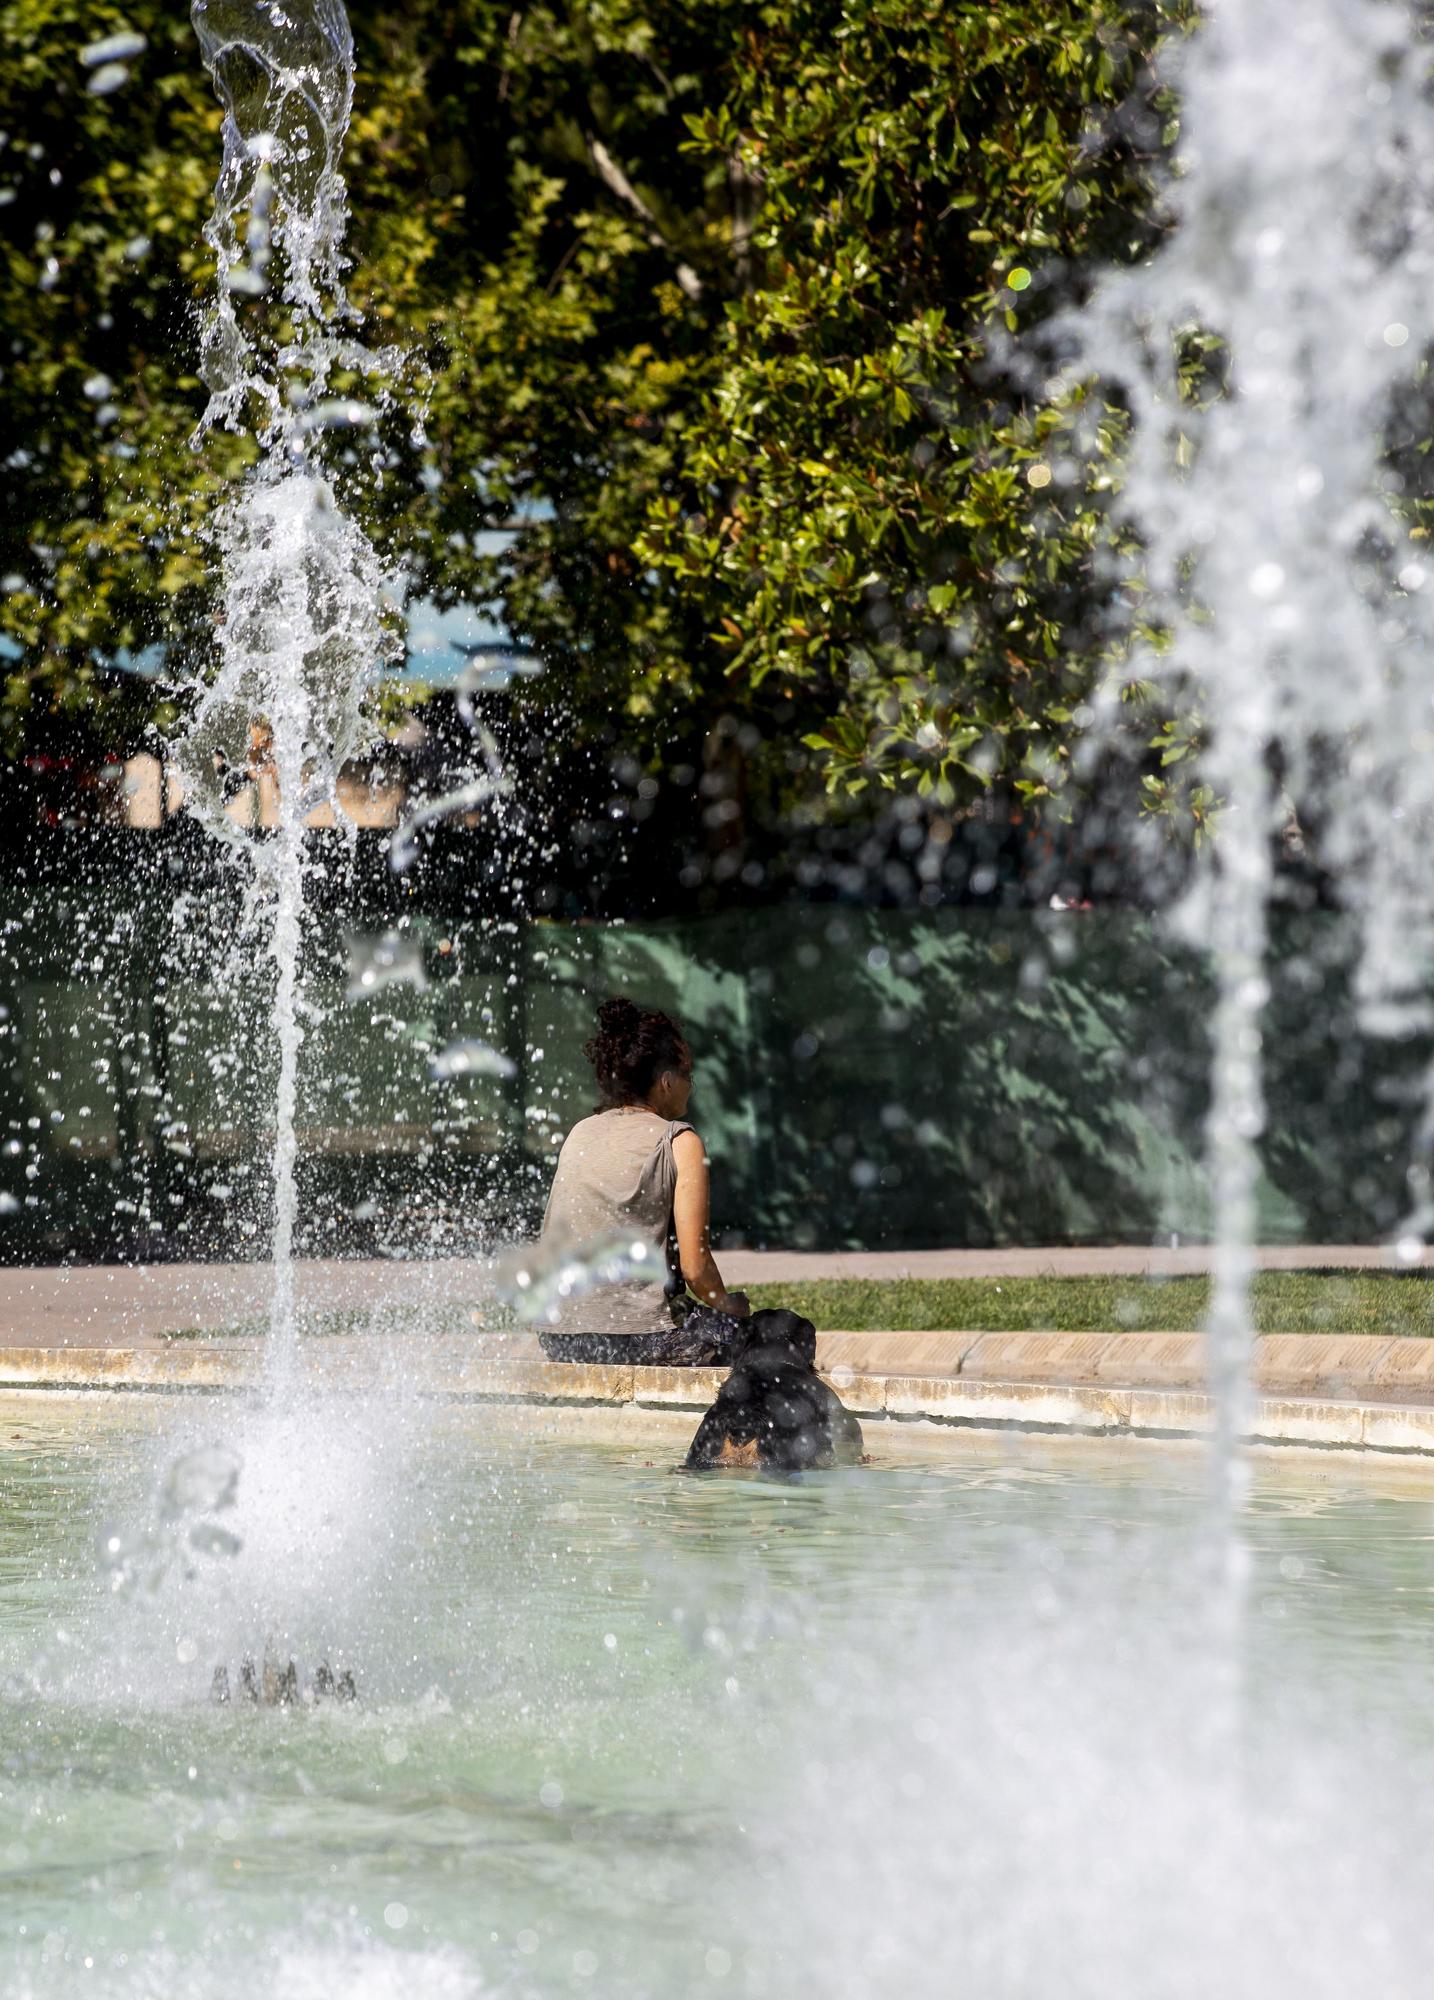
(878, 1078)
(713, 313)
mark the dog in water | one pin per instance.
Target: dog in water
(774, 1411)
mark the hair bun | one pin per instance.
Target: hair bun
(631, 1049)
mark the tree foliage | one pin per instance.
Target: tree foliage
(707, 304)
(875, 514)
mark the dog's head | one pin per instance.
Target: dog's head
(788, 1332)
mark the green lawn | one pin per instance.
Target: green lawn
(1285, 1302)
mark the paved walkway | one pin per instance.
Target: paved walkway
(100, 1305)
(96, 1305)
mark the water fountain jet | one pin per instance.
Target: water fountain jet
(305, 625)
(1273, 559)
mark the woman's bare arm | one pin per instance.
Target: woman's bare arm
(691, 1216)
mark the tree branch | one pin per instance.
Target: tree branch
(614, 178)
(515, 22)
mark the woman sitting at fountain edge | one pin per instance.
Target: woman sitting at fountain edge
(637, 1170)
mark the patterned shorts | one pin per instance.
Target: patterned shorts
(705, 1339)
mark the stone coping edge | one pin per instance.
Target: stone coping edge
(1377, 1367)
(458, 1371)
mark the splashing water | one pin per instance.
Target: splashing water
(540, 1279)
(464, 798)
(393, 958)
(1272, 554)
(470, 1058)
(304, 630)
(491, 673)
(285, 78)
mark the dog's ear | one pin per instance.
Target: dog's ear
(748, 1335)
(804, 1339)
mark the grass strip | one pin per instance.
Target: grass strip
(1388, 1302)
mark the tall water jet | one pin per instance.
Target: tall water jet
(304, 628)
(1261, 353)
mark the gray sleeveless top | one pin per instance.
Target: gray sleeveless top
(614, 1181)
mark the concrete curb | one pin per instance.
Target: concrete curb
(1367, 1367)
(506, 1370)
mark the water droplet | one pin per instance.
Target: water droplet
(105, 82)
(393, 958)
(1396, 334)
(122, 46)
(470, 1059)
(465, 798)
(1267, 581)
(200, 1482)
(544, 1278)
(395, 1915)
(491, 671)
(338, 413)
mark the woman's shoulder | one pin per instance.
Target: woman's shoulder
(623, 1129)
(583, 1136)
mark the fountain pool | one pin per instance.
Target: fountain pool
(626, 1732)
(958, 1723)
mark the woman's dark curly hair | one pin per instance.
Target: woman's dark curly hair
(632, 1048)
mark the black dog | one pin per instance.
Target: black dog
(774, 1411)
